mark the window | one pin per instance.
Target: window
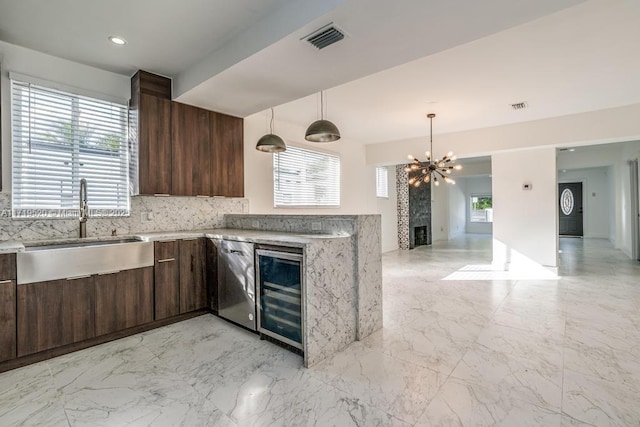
(481, 209)
(59, 138)
(304, 178)
(382, 182)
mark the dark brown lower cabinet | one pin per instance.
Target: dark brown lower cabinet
(7, 319)
(123, 299)
(193, 288)
(212, 274)
(166, 280)
(54, 313)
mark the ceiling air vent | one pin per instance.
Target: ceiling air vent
(325, 36)
(519, 105)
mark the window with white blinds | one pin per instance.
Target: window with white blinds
(382, 182)
(60, 138)
(306, 178)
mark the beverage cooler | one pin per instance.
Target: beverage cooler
(280, 292)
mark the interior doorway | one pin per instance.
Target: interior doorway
(570, 209)
(635, 211)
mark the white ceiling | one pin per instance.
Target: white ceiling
(464, 60)
(164, 36)
(584, 58)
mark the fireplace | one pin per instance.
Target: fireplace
(420, 236)
(414, 211)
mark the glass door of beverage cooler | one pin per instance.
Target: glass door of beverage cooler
(279, 277)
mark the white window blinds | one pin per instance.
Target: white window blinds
(59, 138)
(304, 177)
(382, 182)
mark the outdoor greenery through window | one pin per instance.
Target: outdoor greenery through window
(304, 178)
(382, 182)
(58, 139)
(481, 209)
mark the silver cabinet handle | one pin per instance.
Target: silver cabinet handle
(2, 282)
(108, 272)
(165, 260)
(79, 277)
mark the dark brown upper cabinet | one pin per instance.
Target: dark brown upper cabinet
(150, 132)
(191, 150)
(182, 150)
(228, 155)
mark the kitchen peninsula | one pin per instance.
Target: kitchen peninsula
(342, 299)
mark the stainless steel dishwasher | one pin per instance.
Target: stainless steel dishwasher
(236, 282)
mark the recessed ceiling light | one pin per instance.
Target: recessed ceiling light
(117, 40)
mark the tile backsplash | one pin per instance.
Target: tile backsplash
(148, 213)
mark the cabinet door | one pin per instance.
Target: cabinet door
(191, 150)
(55, 313)
(124, 300)
(167, 280)
(193, 290)
(7, 319)
(228, 155)
(154, 144)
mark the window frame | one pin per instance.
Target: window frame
(308, 206)
(386, 183)
(76, 96)
(471, 210)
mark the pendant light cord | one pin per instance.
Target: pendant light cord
(271, 123)
(431, 139)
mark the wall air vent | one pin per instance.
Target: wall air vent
(325, 36)
(519, 105)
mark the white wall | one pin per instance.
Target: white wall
(440, 213)
(598, 210)
(624, 239)
(457, 207)
(525, 229)
(357, 188)
(603, 126)
(388, 209)
(60, 71)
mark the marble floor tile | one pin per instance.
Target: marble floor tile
(460, 403)
(598, 402)
(28, 397)
(304, 400)
(532, 319)
(399, 388)
(438, 347)
(538, 382)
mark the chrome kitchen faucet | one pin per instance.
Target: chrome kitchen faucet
(84, 208)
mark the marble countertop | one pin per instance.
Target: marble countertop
(255, 236)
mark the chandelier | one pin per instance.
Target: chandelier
(426, 172)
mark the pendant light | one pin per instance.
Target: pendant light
(322, 130)
(435, 167)
(271, 143)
